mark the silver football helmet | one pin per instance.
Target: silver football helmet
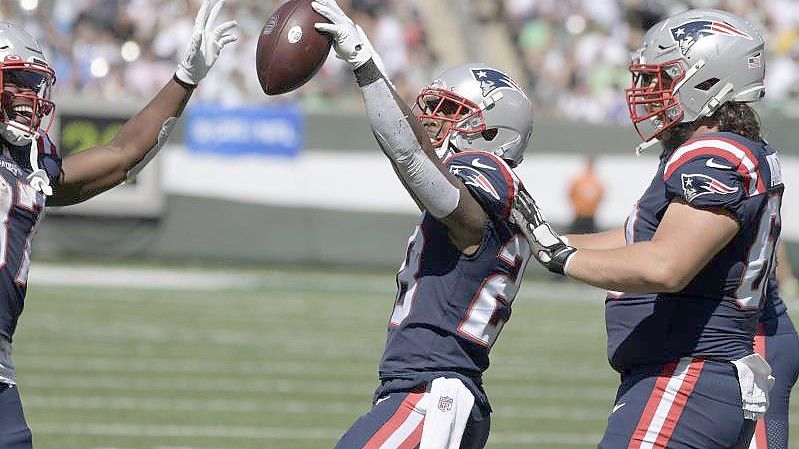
(689, 65)
(474, 107)
(26, 85)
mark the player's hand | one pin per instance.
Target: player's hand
(207, 41)
(548, 247)
(349, 41)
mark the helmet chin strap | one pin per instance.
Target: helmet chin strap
(38, 178)
(645, 146)
(447, 148)
(15, 136)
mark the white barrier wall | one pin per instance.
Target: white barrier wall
(364, 182)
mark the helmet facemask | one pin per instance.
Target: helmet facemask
(652, 99)
(445, 114)
(25, 99)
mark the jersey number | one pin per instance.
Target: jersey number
(484, 319)
(28, 199)
(760, 259)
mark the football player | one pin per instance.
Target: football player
(32, 175)
(689, 271)
(464, 261)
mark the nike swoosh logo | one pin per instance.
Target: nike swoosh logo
(618, 406)
(381, 400)
(476, 163)
(712, 164)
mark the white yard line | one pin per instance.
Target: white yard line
(283, 433)
(577, 412)
(137, 277)
(203, 384)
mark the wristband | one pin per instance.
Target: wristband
(182, 83)
(367, 74)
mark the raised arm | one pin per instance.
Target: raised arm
(100, 168)
(402, 137)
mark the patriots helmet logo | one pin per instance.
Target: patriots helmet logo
(696, 185)
(689, 33)
(491, 80)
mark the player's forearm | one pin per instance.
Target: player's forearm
(613, 238)
(98, 169)
(140, 134)
(638, 268)
(394, 127)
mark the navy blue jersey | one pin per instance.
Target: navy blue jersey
(774, 305)
(716, 314)
(450, 307)
(20, 210)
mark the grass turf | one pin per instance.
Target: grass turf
(286, 360)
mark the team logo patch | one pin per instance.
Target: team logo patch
(689, 33)
(445, 403)
(696, 185)
(491, 80)
(475, 178)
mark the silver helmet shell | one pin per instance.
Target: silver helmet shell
(689, 65)
(474, 107)
(23, 64)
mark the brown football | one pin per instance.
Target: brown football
(290, 50)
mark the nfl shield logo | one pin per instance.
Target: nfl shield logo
(444, 403)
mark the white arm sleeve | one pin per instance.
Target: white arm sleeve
(398, 141)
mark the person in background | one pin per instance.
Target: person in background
(585, 194)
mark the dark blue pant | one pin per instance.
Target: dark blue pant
(777, 341)
(394, 423)
(14, 431)
(690, 403)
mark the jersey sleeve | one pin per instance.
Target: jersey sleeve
(712, 173)
(49, 159)
(489, 179)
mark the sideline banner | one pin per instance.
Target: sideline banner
(264, 130)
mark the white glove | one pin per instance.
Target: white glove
(549, 248)
(349, 42)
(206, 43)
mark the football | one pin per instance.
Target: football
(290, 51)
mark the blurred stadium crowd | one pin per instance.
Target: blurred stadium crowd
(575, 52)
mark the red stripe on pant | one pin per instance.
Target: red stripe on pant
(678, 405)
(675, 408)
(760, 440)
(652, 405)
(400, 416)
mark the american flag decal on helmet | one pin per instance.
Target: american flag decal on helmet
(491, 80)
(697, 185)
(689, 33)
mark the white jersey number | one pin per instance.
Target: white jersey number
(28, 199)
(760, 259)
(482, 324)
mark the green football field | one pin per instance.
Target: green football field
(175, 359)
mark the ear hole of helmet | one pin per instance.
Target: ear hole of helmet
(490, 134)
(707, 84)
